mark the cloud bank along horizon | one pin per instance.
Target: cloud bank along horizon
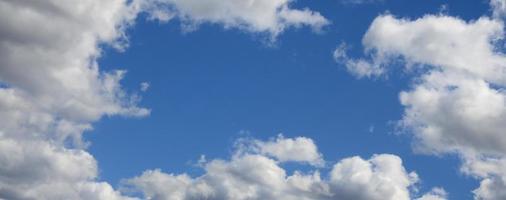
(255, 171)
(52, 91)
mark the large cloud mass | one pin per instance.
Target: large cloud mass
(457, 103)
(250, 174)
(52, 90)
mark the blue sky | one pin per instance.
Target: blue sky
(211, 86)
(257, 99)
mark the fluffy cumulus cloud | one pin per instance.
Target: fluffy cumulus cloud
(434, 194)
(262, 16)
(256, 175)
(40, 170)
(300, 149)
(52, 90)
(457, 103)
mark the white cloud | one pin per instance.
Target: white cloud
(491, 188)
(255, 176)
(492, 169)
(50, 68)
(435, 194)
(442, 42)
(358, 67)
(144, 86)
(299, 149)
(457, 103)
(53, 90)
(41, 170)
(381, 177)
(267, 16)
(456, 113)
